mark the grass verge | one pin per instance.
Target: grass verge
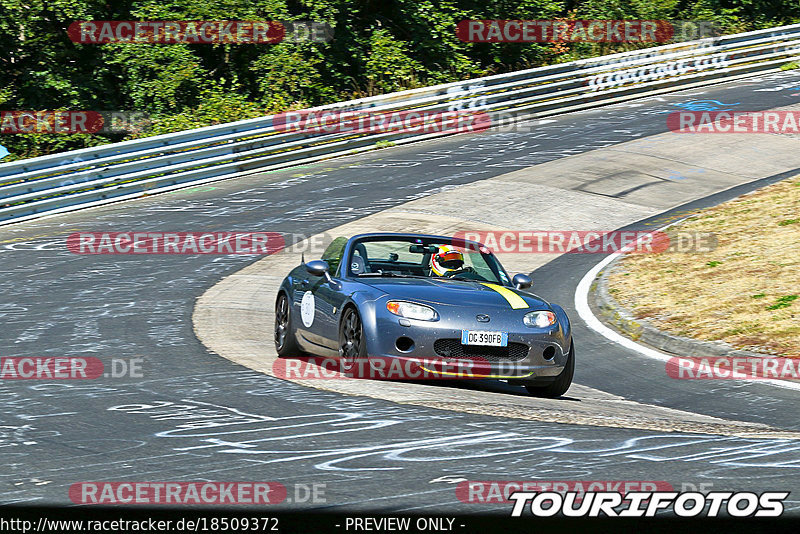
(745, 292)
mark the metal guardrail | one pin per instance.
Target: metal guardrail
(50, 184)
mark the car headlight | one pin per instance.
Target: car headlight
(539, 319)
(409, 310)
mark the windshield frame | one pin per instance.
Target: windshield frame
(502, 277)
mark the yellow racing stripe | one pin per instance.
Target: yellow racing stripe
(515, 300)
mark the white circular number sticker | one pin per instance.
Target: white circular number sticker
(307, 306)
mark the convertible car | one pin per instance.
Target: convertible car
(424, 298)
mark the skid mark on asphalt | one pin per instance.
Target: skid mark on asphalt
(64, 432)
(225, 433)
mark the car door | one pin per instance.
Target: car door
(319, 304)
(306, 321)
(329, 300)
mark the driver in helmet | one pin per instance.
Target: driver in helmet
(448, 262)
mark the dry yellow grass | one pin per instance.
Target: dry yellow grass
(745, 292)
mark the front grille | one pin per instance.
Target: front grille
(453, 349)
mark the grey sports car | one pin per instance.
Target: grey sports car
(424, 298)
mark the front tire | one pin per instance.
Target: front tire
(285, 342)
(562, 382)
(352, 345)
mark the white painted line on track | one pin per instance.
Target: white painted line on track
(585, 313)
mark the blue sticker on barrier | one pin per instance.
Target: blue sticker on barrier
(3, 152)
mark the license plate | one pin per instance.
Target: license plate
(482, 337)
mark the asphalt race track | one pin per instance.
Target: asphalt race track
(189, 415)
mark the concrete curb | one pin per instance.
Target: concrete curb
(230, 318)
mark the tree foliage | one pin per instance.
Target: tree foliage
(379, 46)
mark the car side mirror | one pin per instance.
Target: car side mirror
(319, 268)
(522, 281)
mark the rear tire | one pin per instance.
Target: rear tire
(562, 382)
(285, 342)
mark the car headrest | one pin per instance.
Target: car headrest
(358, 265)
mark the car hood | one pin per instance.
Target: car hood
(452, 292)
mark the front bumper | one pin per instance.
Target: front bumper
(532, 353)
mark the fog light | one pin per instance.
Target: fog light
(404, 344)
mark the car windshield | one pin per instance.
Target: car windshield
(428, 258)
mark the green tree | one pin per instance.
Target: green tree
(378, 46)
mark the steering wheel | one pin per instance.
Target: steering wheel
(463, 270)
